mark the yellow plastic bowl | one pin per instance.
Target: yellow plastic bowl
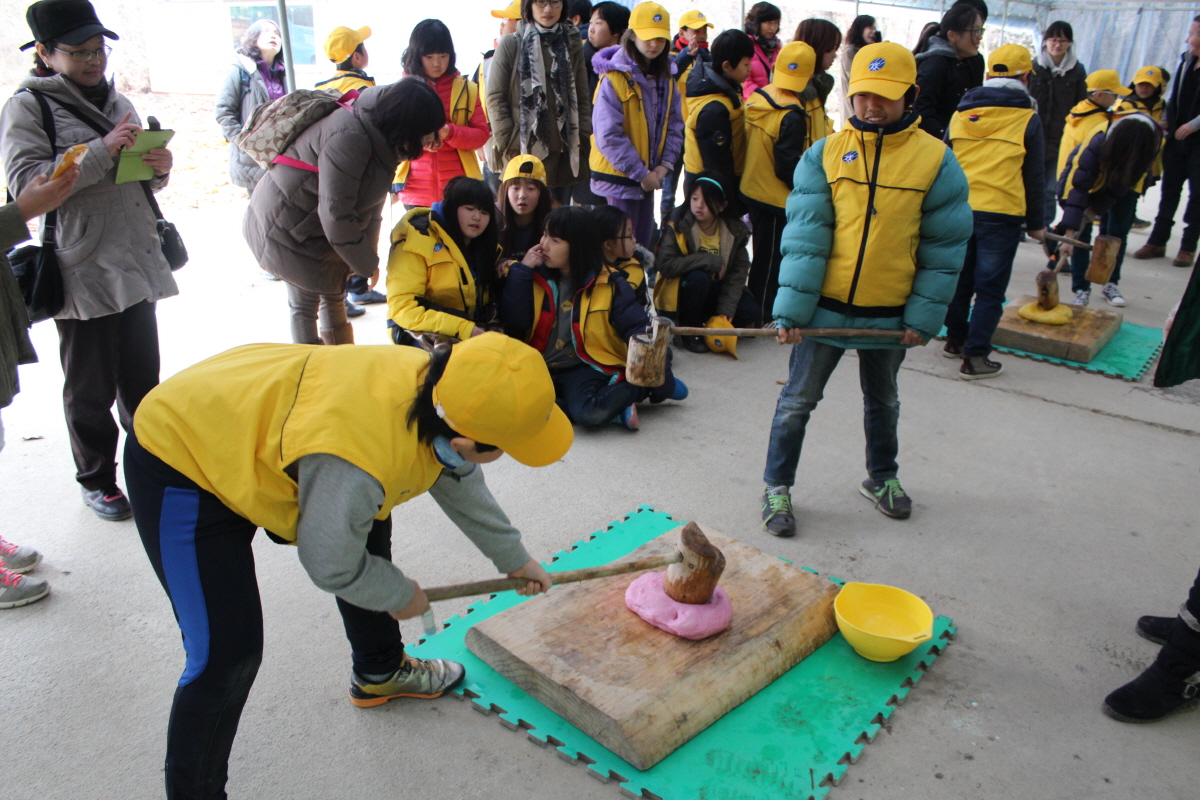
(882, 623)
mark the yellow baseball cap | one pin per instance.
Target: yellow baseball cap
(342, 43)
(885, 68)
(1106, 80)
(721, 344)
(525, 166)
(497, 390)
(1009, 61)
(794, 66)
(650, 21)
(512, 11)
(1151, 75)
(694, 20)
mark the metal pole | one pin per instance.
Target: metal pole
(287, 45)
(1004, 23)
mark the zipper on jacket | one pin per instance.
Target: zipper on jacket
(862, 248)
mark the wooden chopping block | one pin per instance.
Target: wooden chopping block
(640, 691)
(1079, 340)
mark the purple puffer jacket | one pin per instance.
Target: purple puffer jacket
(608, 124)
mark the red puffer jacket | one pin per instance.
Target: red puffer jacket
(430, 173)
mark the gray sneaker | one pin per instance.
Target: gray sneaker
(778, 519)
(1083, 297)
(422, 678)
(18, 558)
(888, 497)
(17, 590)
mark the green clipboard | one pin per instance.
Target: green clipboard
(129, 165)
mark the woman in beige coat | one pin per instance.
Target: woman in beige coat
(315, 223)
(537, 97)
(108, 248)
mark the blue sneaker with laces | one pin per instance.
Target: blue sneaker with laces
(680, 392)
(888, 497)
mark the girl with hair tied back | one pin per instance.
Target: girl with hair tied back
(946, 56)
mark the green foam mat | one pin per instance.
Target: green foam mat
(1127, 355)
(794, 739)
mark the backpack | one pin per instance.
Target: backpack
(273, 126)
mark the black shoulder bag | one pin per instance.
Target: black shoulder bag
(36, 266)
(169, 239)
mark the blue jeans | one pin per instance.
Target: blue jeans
(811, 365)
(1117, 221)
(590, 398)
(985, 276)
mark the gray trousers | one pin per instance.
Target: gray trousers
(309, 307)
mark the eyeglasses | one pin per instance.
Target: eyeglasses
(977, 32)
(1058, 41)
(84, 56)
(544, 4)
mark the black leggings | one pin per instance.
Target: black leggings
(200, 550)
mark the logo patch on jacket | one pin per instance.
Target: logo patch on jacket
(973, 118)
(877, 65)
(851, 156)
(437, 248)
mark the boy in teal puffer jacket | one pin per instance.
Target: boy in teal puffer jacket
(895, 268)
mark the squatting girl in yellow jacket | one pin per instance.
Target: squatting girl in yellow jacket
(441, 275)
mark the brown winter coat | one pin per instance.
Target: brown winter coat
(15, 347)
(312, 229)
(108, 247)
(504, 110)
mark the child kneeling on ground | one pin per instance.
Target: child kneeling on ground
(579, 314)
(703, 263)
(878, 224)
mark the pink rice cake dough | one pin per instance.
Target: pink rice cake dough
(647, 598)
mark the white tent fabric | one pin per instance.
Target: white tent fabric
(1125, 37)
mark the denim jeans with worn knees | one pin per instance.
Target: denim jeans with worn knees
(811, 365)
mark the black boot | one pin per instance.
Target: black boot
(1170, 685)
(1154, 628)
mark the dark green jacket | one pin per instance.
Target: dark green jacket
(15, 347)
(1180, 360)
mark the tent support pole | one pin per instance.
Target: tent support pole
(284, 29)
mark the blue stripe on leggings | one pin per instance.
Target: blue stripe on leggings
(177, 542)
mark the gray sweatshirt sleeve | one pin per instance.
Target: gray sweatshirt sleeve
(464, 496)
(338, 503)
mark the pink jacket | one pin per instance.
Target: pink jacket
(760, 69)
(429, 174)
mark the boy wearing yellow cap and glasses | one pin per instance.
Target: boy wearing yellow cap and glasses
(997, 137)
(778, 131)
(292, 444)
(878, 223)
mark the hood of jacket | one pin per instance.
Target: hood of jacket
(998, 93)
(764, 105)
(1085, 108)
(365, 109)
(245, 63)
(939, 47)
(705, 79)
(614, 58)
(1070, 59)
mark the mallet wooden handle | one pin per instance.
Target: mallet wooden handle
(556, 578)
(1054, 237)
(773, 332)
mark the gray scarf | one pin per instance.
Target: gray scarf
(1058, 70)
(534, 111)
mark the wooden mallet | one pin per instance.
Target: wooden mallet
(692, 574)
(646, 362)
(1100, 267)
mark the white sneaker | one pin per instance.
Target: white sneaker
(1082, 297)
(1113, 295)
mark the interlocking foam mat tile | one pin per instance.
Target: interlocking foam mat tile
(1127, 356)
(794, 739)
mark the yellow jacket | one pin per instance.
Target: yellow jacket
(1085, 121)
(346, 79)
(464, 94)
(766, 110)
(236, 422)
(430, 287)
(989, 143)
(693, 155)
(596, 340)
(633, 123)
(871, 267)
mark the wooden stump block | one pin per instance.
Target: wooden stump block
(1078, 340)
(642, 692)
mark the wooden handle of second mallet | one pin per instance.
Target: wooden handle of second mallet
(556, 578)
(774, 332)
(1054, 237)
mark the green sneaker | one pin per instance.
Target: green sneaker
(422, 678)
(778, 519)
(888, 497)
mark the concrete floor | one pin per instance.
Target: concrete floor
(1050, 513)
